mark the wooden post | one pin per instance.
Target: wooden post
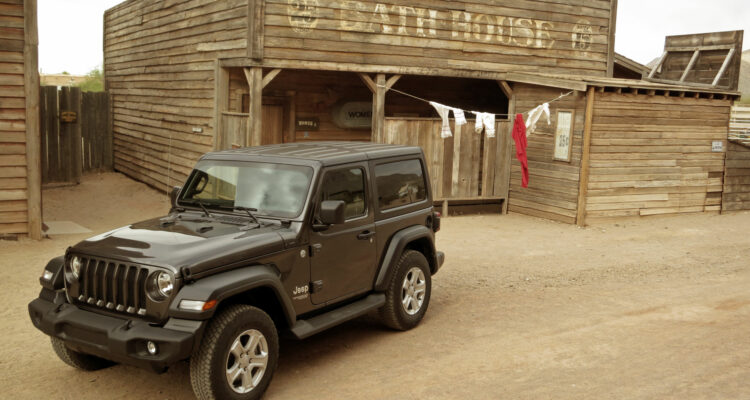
(254, 76)
(611, 39)
(221, 103)
(378, 110)
(502, 181)
(583, 180)
(31, 91)
(256, 15)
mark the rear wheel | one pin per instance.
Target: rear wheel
(237, 357)
(408, 293)
(77, 359)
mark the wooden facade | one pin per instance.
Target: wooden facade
(553, 184)
(656, 155)
(20, 179)
(190, 76)
(160, 63)
(736, 194)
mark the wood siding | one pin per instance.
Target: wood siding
(435, 37)
(737, 178)
(465, 166)
(553, 185)
(19, 190)
(653, 155)
(159, 63)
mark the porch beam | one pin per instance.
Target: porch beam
(378, 110)
(254, 76)
(270, 76)
(221, 104)
(583, 180)
(507, 90)
(391, 81)
(368, 82)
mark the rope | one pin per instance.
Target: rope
(558, 98)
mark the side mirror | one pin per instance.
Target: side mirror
(332, 212)
(173, 195)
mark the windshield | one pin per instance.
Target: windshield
(275, 190)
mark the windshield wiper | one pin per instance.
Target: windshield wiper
(202, 206)
(249, 212)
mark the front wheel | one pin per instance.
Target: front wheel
(237, 357)
(408, 293)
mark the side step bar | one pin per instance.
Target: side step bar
(305, 328)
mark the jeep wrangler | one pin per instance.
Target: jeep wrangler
(290, 238)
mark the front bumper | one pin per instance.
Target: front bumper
(116, 339)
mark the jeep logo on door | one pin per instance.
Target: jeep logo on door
(303, 15)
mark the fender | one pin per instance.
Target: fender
(56, 266)
(221, 286)
(396, 247)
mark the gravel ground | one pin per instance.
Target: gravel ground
(656, 308)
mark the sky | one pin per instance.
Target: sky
(70, 31)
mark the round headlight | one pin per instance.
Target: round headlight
(75, 267)
(164, 284)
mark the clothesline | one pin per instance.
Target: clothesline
(497, 115)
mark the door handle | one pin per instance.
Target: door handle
(365, 235)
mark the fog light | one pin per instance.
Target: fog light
(151, 347)
(47, 275)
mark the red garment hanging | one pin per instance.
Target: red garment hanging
(519, 135)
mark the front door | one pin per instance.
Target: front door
(343, 257)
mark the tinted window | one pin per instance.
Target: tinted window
(400, 183)
(347, 185)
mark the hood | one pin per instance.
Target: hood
(175, 242)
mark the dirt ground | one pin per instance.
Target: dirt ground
(657, 308)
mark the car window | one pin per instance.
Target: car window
(400, 183)
(347, 185)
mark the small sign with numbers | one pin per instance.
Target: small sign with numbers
(717, 146)
(68, 117)
(564, 135)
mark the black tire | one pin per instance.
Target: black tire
(209, 366)
(394, 314)
(78, 360)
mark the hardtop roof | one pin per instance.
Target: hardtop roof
(325, 153)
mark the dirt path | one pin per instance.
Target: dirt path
(524, 308)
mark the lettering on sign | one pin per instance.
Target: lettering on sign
(303, 15)
(717, 146)
(308, 124)
(353, 115)
(405, 20)
(582, 36)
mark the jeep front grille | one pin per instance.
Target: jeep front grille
(113, 285)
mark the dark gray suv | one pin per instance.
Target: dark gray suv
(296, 238)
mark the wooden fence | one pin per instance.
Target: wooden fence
(736, 195)
(76, 133)
(739, 124)
(468, 166)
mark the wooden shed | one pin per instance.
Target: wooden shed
(20, 179)
(190, 76)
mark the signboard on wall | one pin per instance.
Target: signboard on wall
(564, 135)
(308, 124)
(353, 115)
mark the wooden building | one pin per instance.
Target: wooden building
(20, 179)
(191, 76)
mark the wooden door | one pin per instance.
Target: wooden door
(273, 124)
